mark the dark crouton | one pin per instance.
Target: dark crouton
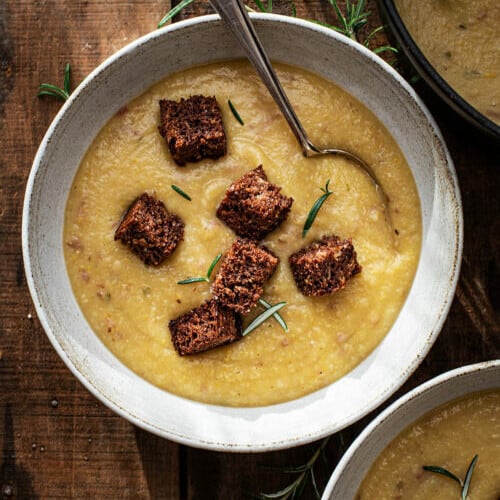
(149, 230)
(324, 266)
(253, 207)
(239, 282)
(193, 128)
(205, 327)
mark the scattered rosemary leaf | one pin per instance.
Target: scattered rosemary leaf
(213, 264)
(235, 113)
(315, 208)
(468, 477)
(206, 278)
(261, 318)
(444, 472)
(173, 12)
(464, 485)
(178, 190)
(54, 91)
(261, 7)
(277, 316)
(187, 281)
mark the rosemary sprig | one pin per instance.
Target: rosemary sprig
(261, 318)
(173, 12)
(235, 113)
(315, 208)
(206, 278)
(465, 484)
(277, 316)
(352, 21)
(55, 91)
(178, 190)
(305, 473)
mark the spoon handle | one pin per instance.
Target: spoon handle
(233, 12)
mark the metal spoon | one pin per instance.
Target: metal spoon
(234, 13)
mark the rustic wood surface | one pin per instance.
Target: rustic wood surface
(57, 440)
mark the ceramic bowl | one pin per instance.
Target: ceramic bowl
(358, 459)
(431, 75)
(133, 70)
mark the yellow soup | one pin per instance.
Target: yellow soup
(461, 39)
(448, 437)
(129, 304)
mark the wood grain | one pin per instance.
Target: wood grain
(57, 440)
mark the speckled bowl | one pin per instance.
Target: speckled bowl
(358, 459)
(130, 72)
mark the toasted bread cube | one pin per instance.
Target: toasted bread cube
(150, 230)
(323, 267)
(193, 128)
(239, 282)
(205, 327)
(253, 207)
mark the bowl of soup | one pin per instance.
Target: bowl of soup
(454, 47)
(107, 313)
(440, 426)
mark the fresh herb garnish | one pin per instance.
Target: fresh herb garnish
(178, 190)
(261, 7)
(206, 278)
(315, 208)
(263, 317)
(173, 12)
(277, 316)
(463, 484)
(55, 91)
(352, 21)
(306, 473)
(235, 113)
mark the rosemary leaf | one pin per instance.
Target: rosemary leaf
(315, 486)
(315, 208)
(468, 477)
(261, 318)
(213, 264)
(235, 113)
(67, 79)
(444, 472)
(53, 91)
(173, 12)
(178, 190)
(192, 280)
(206, 278)
(277, 316)
(385, 48)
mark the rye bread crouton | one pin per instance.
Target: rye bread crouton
(252, 206)
(150, 230)
(205, 327)
(239, 282)
(193, 128)
(323, 267)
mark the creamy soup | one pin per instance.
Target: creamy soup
(448, 437)
(129, 304)
(461, 39)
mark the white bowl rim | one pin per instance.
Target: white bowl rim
(419, 393)
(255, 445)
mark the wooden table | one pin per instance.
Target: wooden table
(58, 441)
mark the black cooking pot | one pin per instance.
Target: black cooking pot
(430, 75)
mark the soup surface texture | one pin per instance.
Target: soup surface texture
(461, 39)
(129, 304)
(448, 437)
